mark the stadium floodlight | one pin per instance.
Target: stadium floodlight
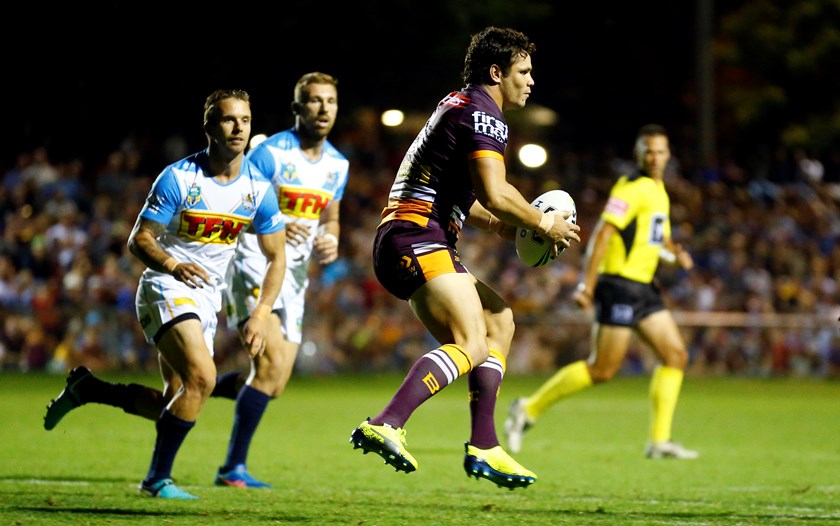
(392, 118)
(257, 139)
(532, 155)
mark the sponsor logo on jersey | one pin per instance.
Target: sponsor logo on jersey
(153, 203)
(657, 229)
(288, 172)
(278, 219)
(490, 126)
(616, 206)
(249, 201)
(455, 99)
(303, 202)
(332, 180)
(193, 195)
(206, 227)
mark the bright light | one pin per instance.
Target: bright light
(392, 118)
(257, 139)
(532, 155)
(309, 348)
(540, 115)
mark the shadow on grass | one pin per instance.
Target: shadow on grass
(100, 511)
(602, 516)
(64, 479)
(220, 516)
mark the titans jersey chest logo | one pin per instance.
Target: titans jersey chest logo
(193, 195)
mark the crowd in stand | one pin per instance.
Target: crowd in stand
(764, 240)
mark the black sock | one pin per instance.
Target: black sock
(250, 406)
(94, 390)
(226, 386)
(171, 432)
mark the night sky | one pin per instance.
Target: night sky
(81, 82)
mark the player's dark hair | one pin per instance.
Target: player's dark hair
(494, 45)
(212, 113)
(646, 131)
(649, 130)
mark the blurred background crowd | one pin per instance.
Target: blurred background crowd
(762, 300)
(748, 89)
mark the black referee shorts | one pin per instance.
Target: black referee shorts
(624, 302)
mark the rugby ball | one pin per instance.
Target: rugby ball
(531, 248)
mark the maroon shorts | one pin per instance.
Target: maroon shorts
(407, 255)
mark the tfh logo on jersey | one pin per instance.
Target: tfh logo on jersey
(490, 126)
(303, 202)
(210, 228)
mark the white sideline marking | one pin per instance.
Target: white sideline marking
(45, 482)
(829, 488)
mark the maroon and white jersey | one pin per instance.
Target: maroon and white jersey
(433, 187)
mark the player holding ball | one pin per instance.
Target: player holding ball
(454, 175)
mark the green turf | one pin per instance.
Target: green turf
(770, 454)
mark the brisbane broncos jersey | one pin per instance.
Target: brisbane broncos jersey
(304, 189)
(433, 186)
(639, 207)
(203, 217)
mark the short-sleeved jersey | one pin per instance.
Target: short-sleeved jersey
(433, 187)
(639, 208)
(304, 189)
(203, 217)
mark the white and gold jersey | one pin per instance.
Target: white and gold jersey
(204, 218)
(304, 189)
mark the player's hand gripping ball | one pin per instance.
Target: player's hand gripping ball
(531, 247)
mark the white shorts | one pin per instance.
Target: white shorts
(161, 299)
(243, 291)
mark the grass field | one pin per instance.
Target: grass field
(770, 454)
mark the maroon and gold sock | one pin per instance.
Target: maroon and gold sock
(430, 373)
(484, 382)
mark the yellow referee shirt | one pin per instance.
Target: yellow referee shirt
(639, 208)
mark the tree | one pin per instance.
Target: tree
(777, 77)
